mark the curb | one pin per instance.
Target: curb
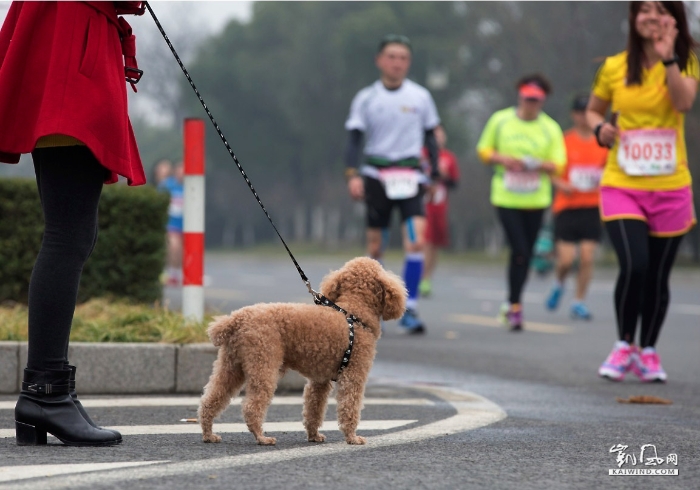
(130, 368)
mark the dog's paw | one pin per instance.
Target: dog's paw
(356, 440)
(211, 438)
(267, 441)
(317, 438)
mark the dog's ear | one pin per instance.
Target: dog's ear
(330, 285)
(394, 296)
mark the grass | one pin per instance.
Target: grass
(105, 320)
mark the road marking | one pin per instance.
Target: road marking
(328, 425)
(500, 295)
(14, 473)
(186, 401)
(473, 412)
(538, 298)
(489, 321)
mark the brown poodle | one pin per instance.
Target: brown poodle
(258, 343)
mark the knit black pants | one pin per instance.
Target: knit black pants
(642, 285)
(69, 180)
(521, 227)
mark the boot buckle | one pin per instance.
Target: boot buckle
(40, 389)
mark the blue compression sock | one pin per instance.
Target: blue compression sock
(412, 272)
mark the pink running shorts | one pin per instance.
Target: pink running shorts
(668, 213)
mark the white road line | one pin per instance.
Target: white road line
(185, 428)
(14, 473)
(473, 412)
(488, 321)
(193, 401)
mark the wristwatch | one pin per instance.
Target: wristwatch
(350, 172)
(674, 60)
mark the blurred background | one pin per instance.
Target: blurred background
(279, 78)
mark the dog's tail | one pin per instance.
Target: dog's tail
(222, 328)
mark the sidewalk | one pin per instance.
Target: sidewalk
(123, 368)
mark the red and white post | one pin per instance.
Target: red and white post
(193, 236)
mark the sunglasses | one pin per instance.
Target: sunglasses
(394, 39)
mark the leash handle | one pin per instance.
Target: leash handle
(228, 147)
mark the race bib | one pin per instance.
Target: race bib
(522, 182)
(647, 152)
(440, 195)
(400, 183)
(176, 207)
(585, 179)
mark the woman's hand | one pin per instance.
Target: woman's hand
(512, 164)
(665, 37)
(681, 88)
(608, 134)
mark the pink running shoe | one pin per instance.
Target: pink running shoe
(514, 318)
(618, 362)
(651, 370)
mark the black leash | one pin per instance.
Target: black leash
(319, 298)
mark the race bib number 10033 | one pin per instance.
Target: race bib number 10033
(647, 152)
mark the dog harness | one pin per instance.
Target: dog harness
(320, 299)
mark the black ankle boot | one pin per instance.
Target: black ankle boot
(45, 406)
(74, 395)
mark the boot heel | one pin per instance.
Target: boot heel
(28, 435)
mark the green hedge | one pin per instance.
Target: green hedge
(130, 251)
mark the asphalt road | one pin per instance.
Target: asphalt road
(468, 405)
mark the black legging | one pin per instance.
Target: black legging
(642, 286)
(521, 227)
(69, 180)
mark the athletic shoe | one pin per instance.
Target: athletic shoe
(515, 319)
(425, 288)
(579, 311)
(411, 322)
(650, 366)
(555, 294)
(503, 314)
(618, 362)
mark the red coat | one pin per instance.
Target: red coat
(62, 72)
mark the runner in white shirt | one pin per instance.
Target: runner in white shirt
(397, 118)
